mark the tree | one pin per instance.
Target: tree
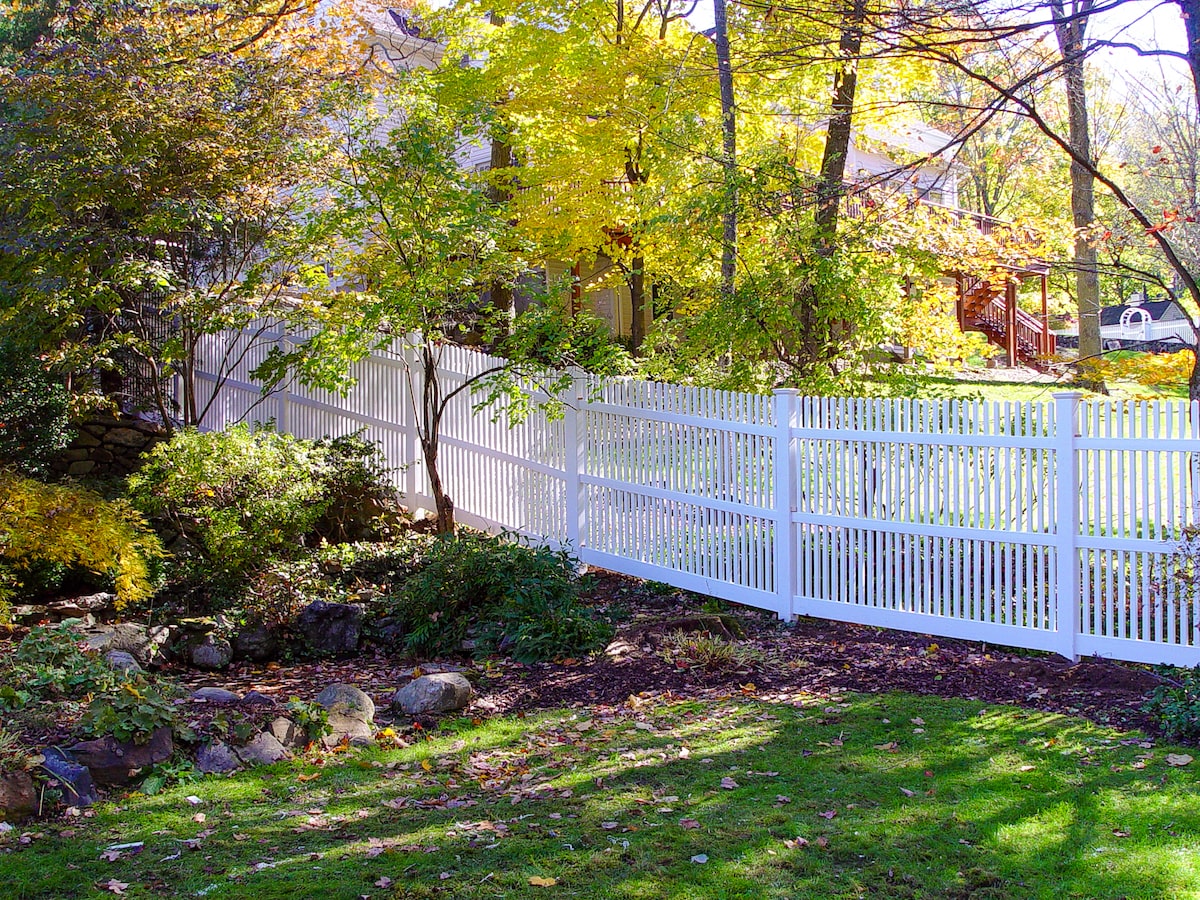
(155, 162)
(419, 244)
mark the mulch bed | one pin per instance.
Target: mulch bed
(813, 656)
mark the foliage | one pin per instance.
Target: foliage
(134, 711)
(702, 650)
(311, 717)
(75, 527)
(1175, 704)
(361, 502)
(112, 259)
(1152, 370)
(521, 600)
(241, 495)
(50, 663)
(35, 411)
(177, 770)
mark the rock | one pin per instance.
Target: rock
(18, 799)
(287, 732)
(145, 644)
(257, 643)
(126, 437)
(123, 662)
(331, 629)
(262, 751)
(254, 698)
(216, 758)
(76, 780)
(351, 713)
(80, 606)
(80, 468)
(389, 632)
(215, 695)
(117, 762)
(444, 692)
(212, 654)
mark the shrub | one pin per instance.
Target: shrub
(244, 497)
(34, 412)
(134, 711)
(240, 496)
(1175, 704)
(517, 599)
(50, 664)
(71, 526)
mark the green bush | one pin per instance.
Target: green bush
(1175, 704)
(50, 664)
(244, 497)
(134, 711)
(35, 412)
(516, 599)
(240, 496)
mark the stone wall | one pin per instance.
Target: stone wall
(106, 445)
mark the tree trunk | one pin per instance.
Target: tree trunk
(729, 215)
(831, 184)
(432, 408)
(637, 297)
(1070, 32)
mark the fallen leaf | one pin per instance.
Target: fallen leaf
(828, 814)
(1178, 759)
(890, 746)
(1121, 834)
(199, 818)
(729, 784)
(384, 882)
(308, 777)
(700, 858)
(689, 824)
(539, 881)
(822, 841)
(116, 887)
(907, 793)
(609, 826)
(796, 844)
(917, 720)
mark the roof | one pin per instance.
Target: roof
(1156, 309)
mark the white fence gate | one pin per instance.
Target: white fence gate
(1051, 526)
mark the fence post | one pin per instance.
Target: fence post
(1066, 522)
(575, 434)
(784, 467)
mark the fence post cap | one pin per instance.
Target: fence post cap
(1067, 395)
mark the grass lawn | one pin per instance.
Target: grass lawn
(879, 796)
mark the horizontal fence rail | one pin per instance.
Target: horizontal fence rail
(1051, 526)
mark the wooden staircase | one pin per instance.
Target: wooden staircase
(992, 309)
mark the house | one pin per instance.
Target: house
(1139, 321)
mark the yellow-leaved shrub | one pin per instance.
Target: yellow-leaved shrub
(73, 526)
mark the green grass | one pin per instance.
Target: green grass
(968, 801)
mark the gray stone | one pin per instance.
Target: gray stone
(123, 662)
(262, 751)
(78, 606)
(351, 713)
(216, 758)
(126, 437)
(215, 695)
(257, 643)
(82, 467)
(212, 654)
(429, 694)
(18, 799)
(331, 629)
(257, 698)
(76, 780)
(287, 732)
(146, 644)
(83, 439)
(117, 762)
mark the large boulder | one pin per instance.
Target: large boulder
(433, 694)
(351, 713)
(212, 654)
(256, 643)
(287, 732)
(18, 799)
(77, 786)
(123, 662)
(117, 762)
(216, 758)
(331, 629)
(215, 695)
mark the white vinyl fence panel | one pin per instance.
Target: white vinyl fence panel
(1051, 526)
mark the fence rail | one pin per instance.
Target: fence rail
(1051, 526)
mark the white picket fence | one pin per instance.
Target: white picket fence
(1050, 526)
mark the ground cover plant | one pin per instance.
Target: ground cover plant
(745, 795)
